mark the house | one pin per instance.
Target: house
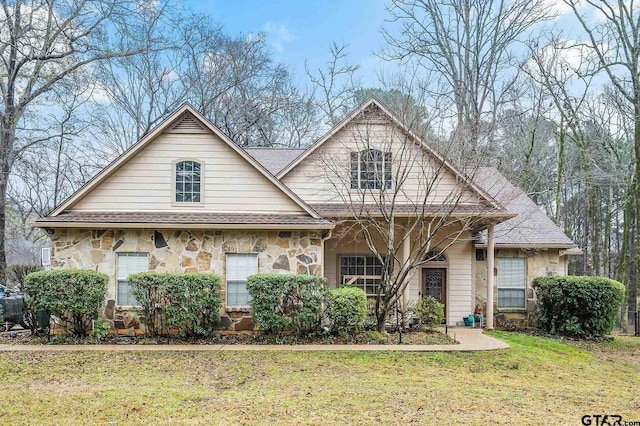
(185, 198)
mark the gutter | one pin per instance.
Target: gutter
(148, 225)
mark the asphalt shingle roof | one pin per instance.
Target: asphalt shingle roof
(337, 210)
(274, 159)
(532, 227)
(181, 218)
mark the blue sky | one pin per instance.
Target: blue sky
(304, 29)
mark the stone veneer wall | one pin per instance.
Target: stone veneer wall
(539, 263)
(188, 251)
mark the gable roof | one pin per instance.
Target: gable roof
(274, 159)
(373, 101)
(149, 137)
(531, 228)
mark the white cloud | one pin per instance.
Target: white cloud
(559, 7)
(562, 59)
(278, 35)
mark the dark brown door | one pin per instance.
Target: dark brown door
(434, 284)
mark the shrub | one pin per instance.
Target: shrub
(17, 273)
(150, 290)
(100, 329)
(348, 309)
(371, 320)
(194, 303)
(72, 295)
(429, 311)
(190, 302)
(577, 306)
(295, 302)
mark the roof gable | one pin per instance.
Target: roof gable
(375, 109)
(184, 120)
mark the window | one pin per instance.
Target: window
(512, 282)
(435, 256)
(188, 174)
(364, 272)
(371, 169)
(129, 263)
(239, 267)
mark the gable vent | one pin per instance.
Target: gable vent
(187, 124)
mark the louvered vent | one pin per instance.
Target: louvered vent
(372, 114)
(187, 123)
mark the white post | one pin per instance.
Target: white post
(406, 250)
(490, 276)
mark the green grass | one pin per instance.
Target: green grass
(536, 381)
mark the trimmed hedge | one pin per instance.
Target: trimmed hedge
(74, 296)
(287, 301)
(190, 302)
(429, 311)
(577, 306)
(348, 310)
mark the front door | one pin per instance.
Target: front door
(434, 284)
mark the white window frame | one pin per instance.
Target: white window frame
(361, 281)
(501, 284)
(174, 182)
(122, 279)
(239, 277)
(386, 176)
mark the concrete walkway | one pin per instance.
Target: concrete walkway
(471, 339)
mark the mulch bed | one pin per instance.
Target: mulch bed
(412, 337)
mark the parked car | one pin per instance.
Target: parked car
(13, 310)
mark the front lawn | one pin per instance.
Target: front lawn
(536, 381)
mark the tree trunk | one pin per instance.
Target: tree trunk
(6, 149)
(633, 282)
(559, 174)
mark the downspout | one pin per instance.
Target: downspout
(322, 240)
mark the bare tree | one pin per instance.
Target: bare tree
(43, 43)
(235, 83)
(614, 37)
(133, 93)
(336, 85)
(394, 191)
(470, 45)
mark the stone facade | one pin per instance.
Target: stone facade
(179, 251)
(539, 263)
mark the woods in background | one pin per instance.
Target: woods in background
(558, 113)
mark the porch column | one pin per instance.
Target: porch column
(406, 250)
(490, 276)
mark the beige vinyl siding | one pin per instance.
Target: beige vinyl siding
(230, 183)
(460, 272)
(314, 182)
(460, 294)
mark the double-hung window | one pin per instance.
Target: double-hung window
(129, 263)
(188, 182)
(512, 282)
(371, 169)
(364, 272)
(239, 267)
